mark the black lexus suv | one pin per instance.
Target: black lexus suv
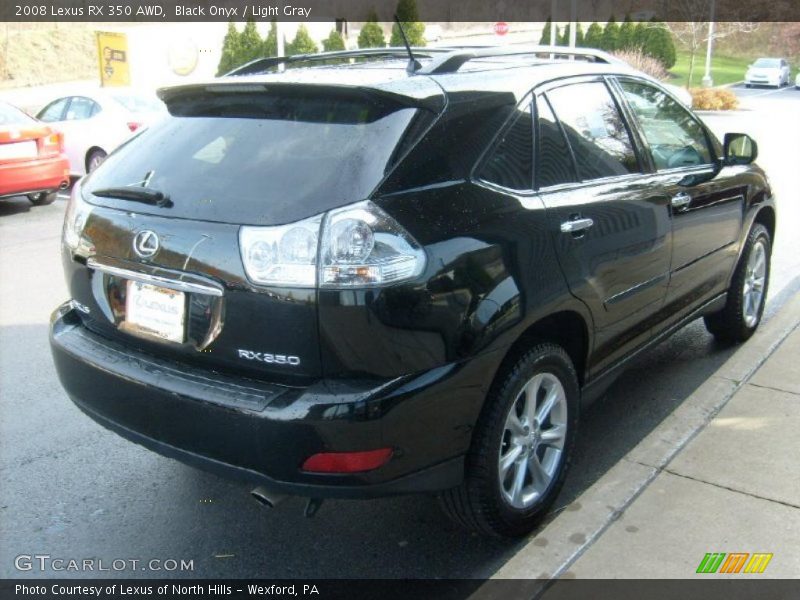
(362, 277)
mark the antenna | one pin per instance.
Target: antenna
(413, 63)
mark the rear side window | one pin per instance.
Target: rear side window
(262, 157)
(675, 138)
(510, 165)
(554, 161)
(595, 129)
(81, 108)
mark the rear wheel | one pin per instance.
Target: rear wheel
(94, 159)
(747, 293)
(43, 198)
(521, 448)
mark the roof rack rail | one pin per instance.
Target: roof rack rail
(262, 65)
(454, 59)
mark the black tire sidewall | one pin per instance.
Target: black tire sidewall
(545, 358)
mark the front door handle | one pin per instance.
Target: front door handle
(681, 201)
(576, 225)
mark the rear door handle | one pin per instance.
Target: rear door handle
(681, 201)
(576, 225)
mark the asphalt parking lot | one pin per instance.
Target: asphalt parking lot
(73, 490)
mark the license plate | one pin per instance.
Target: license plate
(155, 311)
(17, 150)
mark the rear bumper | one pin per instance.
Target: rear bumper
(261, 432)
(39, 175)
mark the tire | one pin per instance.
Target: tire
(43, 198)
(94, 159)
(485, 502)
(742, 313)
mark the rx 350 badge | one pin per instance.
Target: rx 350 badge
(273, 359)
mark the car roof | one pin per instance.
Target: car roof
(498, 74)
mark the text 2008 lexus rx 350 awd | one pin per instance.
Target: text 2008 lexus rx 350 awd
(366, 279)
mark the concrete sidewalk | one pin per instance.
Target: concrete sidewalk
(734, 488)
(718, 475)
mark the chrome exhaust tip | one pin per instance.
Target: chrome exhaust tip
(64, 185)
(267, 497)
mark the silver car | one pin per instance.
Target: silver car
(768, 71)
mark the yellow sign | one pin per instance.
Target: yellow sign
(112, 52)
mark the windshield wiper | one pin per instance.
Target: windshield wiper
(135, 193)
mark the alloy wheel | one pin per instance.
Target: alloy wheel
(755, 278)
(533, 441)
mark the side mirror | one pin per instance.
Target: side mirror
(739, 149)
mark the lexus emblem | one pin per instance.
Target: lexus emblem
(146, 243)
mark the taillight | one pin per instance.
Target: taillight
(347, 462)
(358, 246)
(53, 143)
(78, 211)
(133, 125)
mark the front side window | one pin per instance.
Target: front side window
(53, 111)
(595, 129)
(675, 137)
(510, 164)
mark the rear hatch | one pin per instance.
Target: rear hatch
(167, 276)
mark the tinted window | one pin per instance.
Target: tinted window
(53, 111)
(10, 115)
(511, 163)
(258, 158)
(554, 161)
(675, 138)
(595, 130)
(81, 108)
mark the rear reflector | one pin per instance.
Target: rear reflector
(133, 126)
(347, 462)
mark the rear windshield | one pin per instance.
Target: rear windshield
(262, 158)
(10, 115)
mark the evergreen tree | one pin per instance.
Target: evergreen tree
(640, 36)
(371, 35)
(230, 50)
(626, 34)
(562, 37)
(594, 36)
(333, 42)
(302, 43)
(415, 31)
(271, 41)
(611, 35)
(250, 44)
(580, 38)
(660, 44)
(545, 39)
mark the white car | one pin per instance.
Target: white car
(768, 71)
(94, 124)
(797, 82)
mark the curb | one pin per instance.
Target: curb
(554, 548)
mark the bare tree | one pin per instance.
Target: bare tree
(691, 26)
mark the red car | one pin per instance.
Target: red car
(32, 159)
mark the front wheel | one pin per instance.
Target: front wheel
(747, 293)
(521, 448)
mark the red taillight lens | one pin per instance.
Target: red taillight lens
(133, 125)
(53, 143)
(347, 462)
